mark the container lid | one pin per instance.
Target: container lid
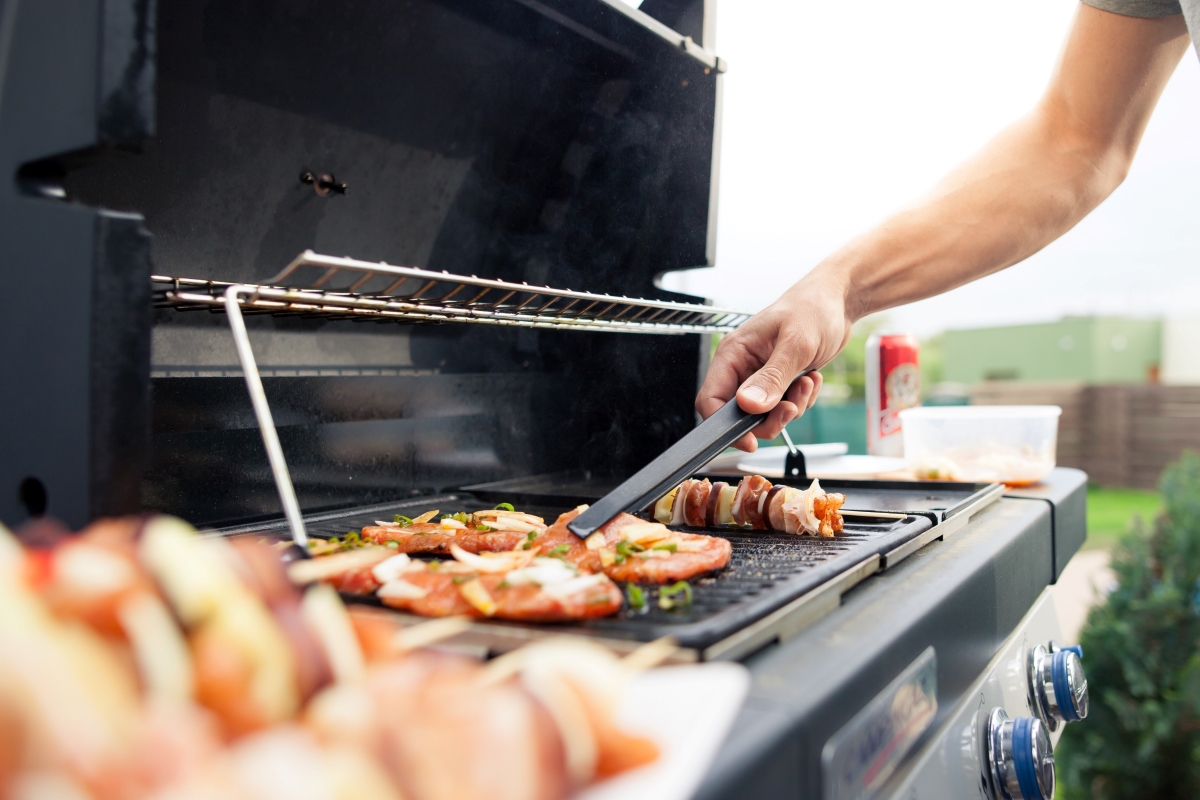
(981, 412)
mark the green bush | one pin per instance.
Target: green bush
(1142, 657)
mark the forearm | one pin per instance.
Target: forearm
(1030, 184)
(1025, 189)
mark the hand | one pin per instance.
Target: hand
(803, 329)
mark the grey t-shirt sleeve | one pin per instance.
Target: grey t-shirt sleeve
(1138, 8)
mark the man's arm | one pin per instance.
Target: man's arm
(1027, 187)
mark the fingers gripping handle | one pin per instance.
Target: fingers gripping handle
(681, 459)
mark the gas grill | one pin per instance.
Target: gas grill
(205, 316)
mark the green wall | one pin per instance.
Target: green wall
(1086, 349)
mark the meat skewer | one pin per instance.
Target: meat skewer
(479, 532)
(514, 585)
(86, 714)
(752, 503)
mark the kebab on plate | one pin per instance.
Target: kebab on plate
(752, 503)
(139, 660)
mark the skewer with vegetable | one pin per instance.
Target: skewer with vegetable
(492, 530)
(752, 503)
(142, 661)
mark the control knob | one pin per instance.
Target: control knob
(1019, 757)
(1057, 686)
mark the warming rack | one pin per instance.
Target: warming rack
(346, 288)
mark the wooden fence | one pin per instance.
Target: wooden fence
(1121, 435)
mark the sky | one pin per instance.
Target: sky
(837, 114)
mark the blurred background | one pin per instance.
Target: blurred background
(836, 115)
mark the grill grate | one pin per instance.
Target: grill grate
(766, 571)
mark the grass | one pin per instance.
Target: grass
(1110, 512)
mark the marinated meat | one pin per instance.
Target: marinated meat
(628, 548)
(440, 592)
(485, 531)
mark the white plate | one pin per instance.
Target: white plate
(774, 455)
(768, 462)
(687, 711)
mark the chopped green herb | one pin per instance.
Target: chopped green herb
(393, 545)
(334, 540)
(559, 551)
(527, 546)
(460, 517)
(505, 507)
(619, 559)
(457, 579)
(531, 535)
(481, 527)
(627, 549)
(670, 548)
(637, 598)
(402, 520)
(502, 585)
(669, 597)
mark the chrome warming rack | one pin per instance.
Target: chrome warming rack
(346, 288)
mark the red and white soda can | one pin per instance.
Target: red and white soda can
(893, 384)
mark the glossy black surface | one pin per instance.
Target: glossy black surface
(557, 142)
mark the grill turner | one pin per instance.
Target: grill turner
(678, 461)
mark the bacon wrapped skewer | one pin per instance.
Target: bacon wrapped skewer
(752, 503)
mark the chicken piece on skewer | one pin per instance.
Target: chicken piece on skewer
(487, 531)
(752, 503)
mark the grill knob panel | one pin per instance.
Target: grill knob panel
(1057, 685)
(1020, 758)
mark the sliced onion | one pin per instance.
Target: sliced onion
(401, 590)
(492, 562)
(475, 593)
(393, 568)
(679, 507)
(543, 572)
(520, 516)
(322, 568)
(565, 589)
(662, 509)
(642, 531)
(725, 505)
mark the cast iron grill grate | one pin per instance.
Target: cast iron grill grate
(766, 571)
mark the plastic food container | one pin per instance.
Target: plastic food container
(1010, 444)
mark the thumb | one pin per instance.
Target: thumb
(763, 390)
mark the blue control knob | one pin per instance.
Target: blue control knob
(1020, 758)
(1057, 686)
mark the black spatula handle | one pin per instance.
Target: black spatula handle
(678, 461)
